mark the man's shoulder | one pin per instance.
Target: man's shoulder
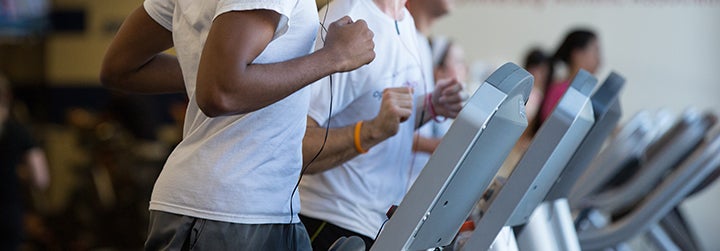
(340, 8)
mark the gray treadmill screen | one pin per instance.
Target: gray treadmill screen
(606, 107)
(463, 165)
(537, 170)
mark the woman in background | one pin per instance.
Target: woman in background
(579, 50)
(539, 65)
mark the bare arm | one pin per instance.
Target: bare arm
(425, 144)
(134, 61)
(396, 107)
(446, 100)
(339, 147)
(228, 82)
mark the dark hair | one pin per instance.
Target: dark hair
(536, 57)
(576, 39)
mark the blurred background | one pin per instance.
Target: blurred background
(105, 149)
(669, 52)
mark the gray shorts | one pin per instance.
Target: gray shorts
(169, 231)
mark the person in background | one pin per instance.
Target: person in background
(425, 13)
(244, 65)
(363, 167)
(17, 150)
(539, 64)
(448, 63)
(448, 59)
(579, 50)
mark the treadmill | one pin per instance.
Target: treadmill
(646, 215)
(662, 156)
(462, 166)
(549, 152)
(627, 147)
(550, 226)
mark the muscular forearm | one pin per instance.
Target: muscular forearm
(161, 74)
(259, 85)
(230, 82)
(340, 145)
(425, 144)
(395, 108)
(134, 62)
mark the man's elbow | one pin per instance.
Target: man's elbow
(311, 171)
(109, 81)
(217, 104)
(316, 167)
(209, 110)
(313, 161)
(313, 168)
(110, 77)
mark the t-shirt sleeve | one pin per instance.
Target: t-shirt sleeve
(161, 11)
(282, 7)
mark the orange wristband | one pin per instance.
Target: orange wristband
(358, 146)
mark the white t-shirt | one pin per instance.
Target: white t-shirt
(419, 159)
(356, 194)
(425, 52)
(240, 168)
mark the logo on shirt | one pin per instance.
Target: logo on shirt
(377, 95)
(411, 84)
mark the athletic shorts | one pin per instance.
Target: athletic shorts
(169, 231)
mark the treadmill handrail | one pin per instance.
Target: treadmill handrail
(657, 204)
(607, 111)
(631, 143)
(632, 140)
(671, 152)
(530, 181)
(483, 134)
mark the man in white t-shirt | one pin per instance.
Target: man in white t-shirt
(363, 168)
(426, 13)
(229, 185)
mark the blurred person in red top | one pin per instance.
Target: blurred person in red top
(579, 50)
